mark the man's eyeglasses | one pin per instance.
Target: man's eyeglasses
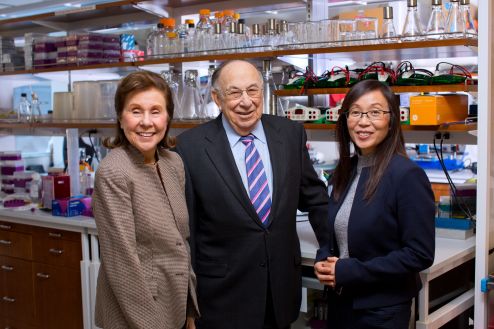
(372, 115)
(234, 94)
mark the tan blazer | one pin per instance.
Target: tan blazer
(145, 279)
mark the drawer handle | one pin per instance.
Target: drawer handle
(8, 299)
(7, 268)
(5, 227)
(6, 242)
(54, 235)
(42, 275)
(56, 251)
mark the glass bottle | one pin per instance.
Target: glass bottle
(150, 40)
(388, 30)
(454, 23)
(35, 108)
(242, 39)
(159, 42)
(435, 26)
(24, 109)
(168, 76)
(256, 40)
(412, 30)
(204, 29)
(217, 41)
(209, 107)
(227, 20)
(470, 30)
(191, 100)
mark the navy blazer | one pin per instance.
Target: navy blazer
(234, 255)
(391, 237)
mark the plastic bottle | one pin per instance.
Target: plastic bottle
(412, 30)
(24, 110)
(435, 26)
(470, 30)
(35, 108)
(454, 23)
(388, 34)
(168, 26)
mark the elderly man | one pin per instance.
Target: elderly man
(247, 174)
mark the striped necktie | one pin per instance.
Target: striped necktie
(256, 178)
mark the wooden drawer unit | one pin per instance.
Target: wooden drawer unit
(16, 290)
(58, 297)
(15, 244)
(7, 226)
(56, 247)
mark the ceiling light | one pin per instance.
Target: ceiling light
(346, 3)
(271, 12)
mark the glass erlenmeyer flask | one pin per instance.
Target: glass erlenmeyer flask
(388, 30)
(454, 23)
(435, 26)
(191, 99)
(209, 108)
(174, 88)
(412, 30)
(470, 31)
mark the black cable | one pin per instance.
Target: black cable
(461, 205)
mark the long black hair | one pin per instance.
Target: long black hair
(392, 144)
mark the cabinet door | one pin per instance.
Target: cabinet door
(16, 290)
(15, 244)
(58, 297)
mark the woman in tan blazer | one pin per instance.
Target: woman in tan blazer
(145, 279)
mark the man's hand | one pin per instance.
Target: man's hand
(190, 323)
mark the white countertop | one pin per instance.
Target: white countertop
(447, 250)
(45, 219)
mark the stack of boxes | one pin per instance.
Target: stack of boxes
(14, 178)
(76, 49)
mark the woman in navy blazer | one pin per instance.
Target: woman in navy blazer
(381, 217)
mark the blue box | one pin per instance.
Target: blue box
(454, 223)
(67, 207)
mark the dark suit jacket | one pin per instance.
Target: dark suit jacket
(391, 238)
(234, 255)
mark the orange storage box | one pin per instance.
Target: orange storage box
(437, 109)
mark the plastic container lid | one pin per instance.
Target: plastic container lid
(204, 12)
(236, 16)
(218, 14)
(168, 21)
(189, 21)
(228, 12)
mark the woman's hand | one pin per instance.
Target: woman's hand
(190, 323)
(325, 271)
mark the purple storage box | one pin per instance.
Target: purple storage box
(89, 45)
(10, 156)
(89, 37)
(10, 169)
(88, 209)
(89, 53)
(111, 38)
